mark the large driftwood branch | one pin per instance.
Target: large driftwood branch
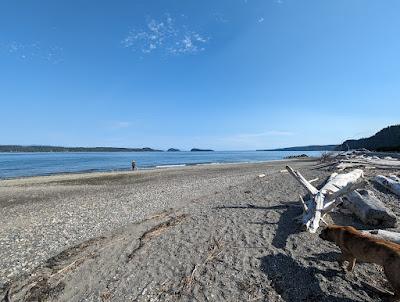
(392, 183)
(300, 178)
(374, 161)
(369, 209)
(383, 234)
(324, 200)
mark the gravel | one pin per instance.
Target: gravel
(207, 233)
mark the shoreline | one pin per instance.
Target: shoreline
(30, 165)
(88, 173)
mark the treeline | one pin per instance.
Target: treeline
(306, 148)
(387, 139)
(19, 148)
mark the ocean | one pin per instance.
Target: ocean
(14, 165)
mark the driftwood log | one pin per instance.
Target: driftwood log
(328, 197)
(383, 234)
(362, 159)
(392, 183)
(369, 209)
(373, 161)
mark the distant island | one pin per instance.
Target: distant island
(387, 139)
(306, 148)
(19, 148)
(201, 150)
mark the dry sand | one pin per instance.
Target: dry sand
(205, 233)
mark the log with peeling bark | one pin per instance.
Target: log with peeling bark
(391, 183)
(383, 234)
(323, 201)
(369, 209)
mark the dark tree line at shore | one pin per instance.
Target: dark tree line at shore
(387, 139)
(18, 148)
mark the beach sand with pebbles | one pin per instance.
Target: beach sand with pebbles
(203, 233)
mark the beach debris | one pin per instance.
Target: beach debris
(296, 156)
(7, 296)
(369, 209)
(385, 235)
(392, 183)
(327, 198)
(48, 279)
(373, 161)
(284, 171)
(358, 159)
(261, 175)
(313, 180)
(214, 250)
(156, 231)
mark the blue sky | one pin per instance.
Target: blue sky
(228, 75)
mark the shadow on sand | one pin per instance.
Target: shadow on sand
(286, 224)
(328, 256)
(295, 282)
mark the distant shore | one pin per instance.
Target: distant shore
(40, 149)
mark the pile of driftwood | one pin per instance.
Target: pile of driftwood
(359, 159)
(346, 189)
(327, 198)
(369, 161)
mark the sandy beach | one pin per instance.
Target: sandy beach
(203, 233)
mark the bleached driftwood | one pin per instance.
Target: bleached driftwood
(383, 234)
(391, 183)
(341, 166)
(369, 209)
(368, 161)
(324, 200)
(359, 159)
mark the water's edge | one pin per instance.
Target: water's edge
(17, 165)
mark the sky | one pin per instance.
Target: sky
(226, 75)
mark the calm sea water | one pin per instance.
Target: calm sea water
(32, 164)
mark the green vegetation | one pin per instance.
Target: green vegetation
(201, 150)
(18, 148)
(306, 148)
(388, 139)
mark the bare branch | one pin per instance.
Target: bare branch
(305, 208)
(304, 182)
